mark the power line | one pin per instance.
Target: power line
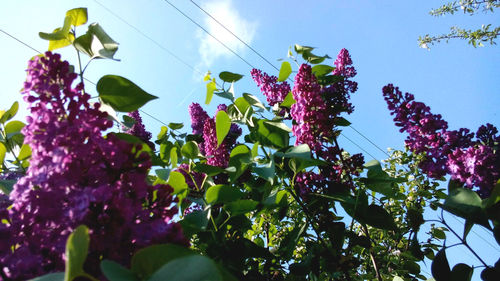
(241, 40)
(210, 34)
(30, 47)
(358, 146)
(151, 39)
(272, 65)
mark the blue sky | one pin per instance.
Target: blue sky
(456, 80)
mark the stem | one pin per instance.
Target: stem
(372, 258)
(462, 241)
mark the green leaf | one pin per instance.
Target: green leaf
(340, 121)
(24, 152)
(322, 69)
(162, 174)
(61, 43)
(440, 267)
(285, 71)
(173, 157)
(222, 194)
(192, 267)
(3, 151)
(128, 121)
(461, 272)
(194, 222)
(175, 126)
(241, 206)
(96, 43)
(177, 181)
(467, 227)
(13, 128)
(222, 126)
(211, 87)
(378, 217)
(253, 100)
(6, 186)
(276, 198)
(57, 276)
(289, 243)
(121, 93)
(269, 134)
(226, 95)
(76, 252)
(288, 101)
(190, 150)
(163, 133)
(230, 77)
(466, 203)
(78, 16)
(9, 114)
(148, 260)
(60, 33)
(208, 169)
(300, 49)
(116, 272)
(266, 172)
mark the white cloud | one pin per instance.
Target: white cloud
(224, 11)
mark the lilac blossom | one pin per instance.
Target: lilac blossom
(274, 91)
(77, 176)
(139, 130)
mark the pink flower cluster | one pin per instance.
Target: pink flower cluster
(203, 125)
(139, 130)
(77, 176)
(476, 163)
(274, 91)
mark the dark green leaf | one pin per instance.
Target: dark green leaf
(194, 222)
(266, 172)
(128, 121)
(116, 272)
(289, 243)
(122, 94)
(208, 169)
(340, 121)
(57, 276)
(285, 71)
(461, 272)
(440, 267)
(222, 194)
(148, 260)
(163, 174)
(269, 134)
(241, 206)
(189, 268)
(466, 203)
(467, 227)
(78, 16)
(230, 77)
(222, 126)
(412, 267)
(6, 186)
(190, 150)
(322, 69)
(378, 217)
(76, 252)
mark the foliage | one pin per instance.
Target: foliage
(474, 37)
(252, 205)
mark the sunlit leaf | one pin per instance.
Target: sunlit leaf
(78, 16)
(222, 126)
(122, 94)
(76, 252)
(285, 71)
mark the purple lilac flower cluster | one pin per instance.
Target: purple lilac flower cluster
(139, 130)
(274, 91)
(314, 115)
(203, 125)
(77, 176)
(476, 163)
